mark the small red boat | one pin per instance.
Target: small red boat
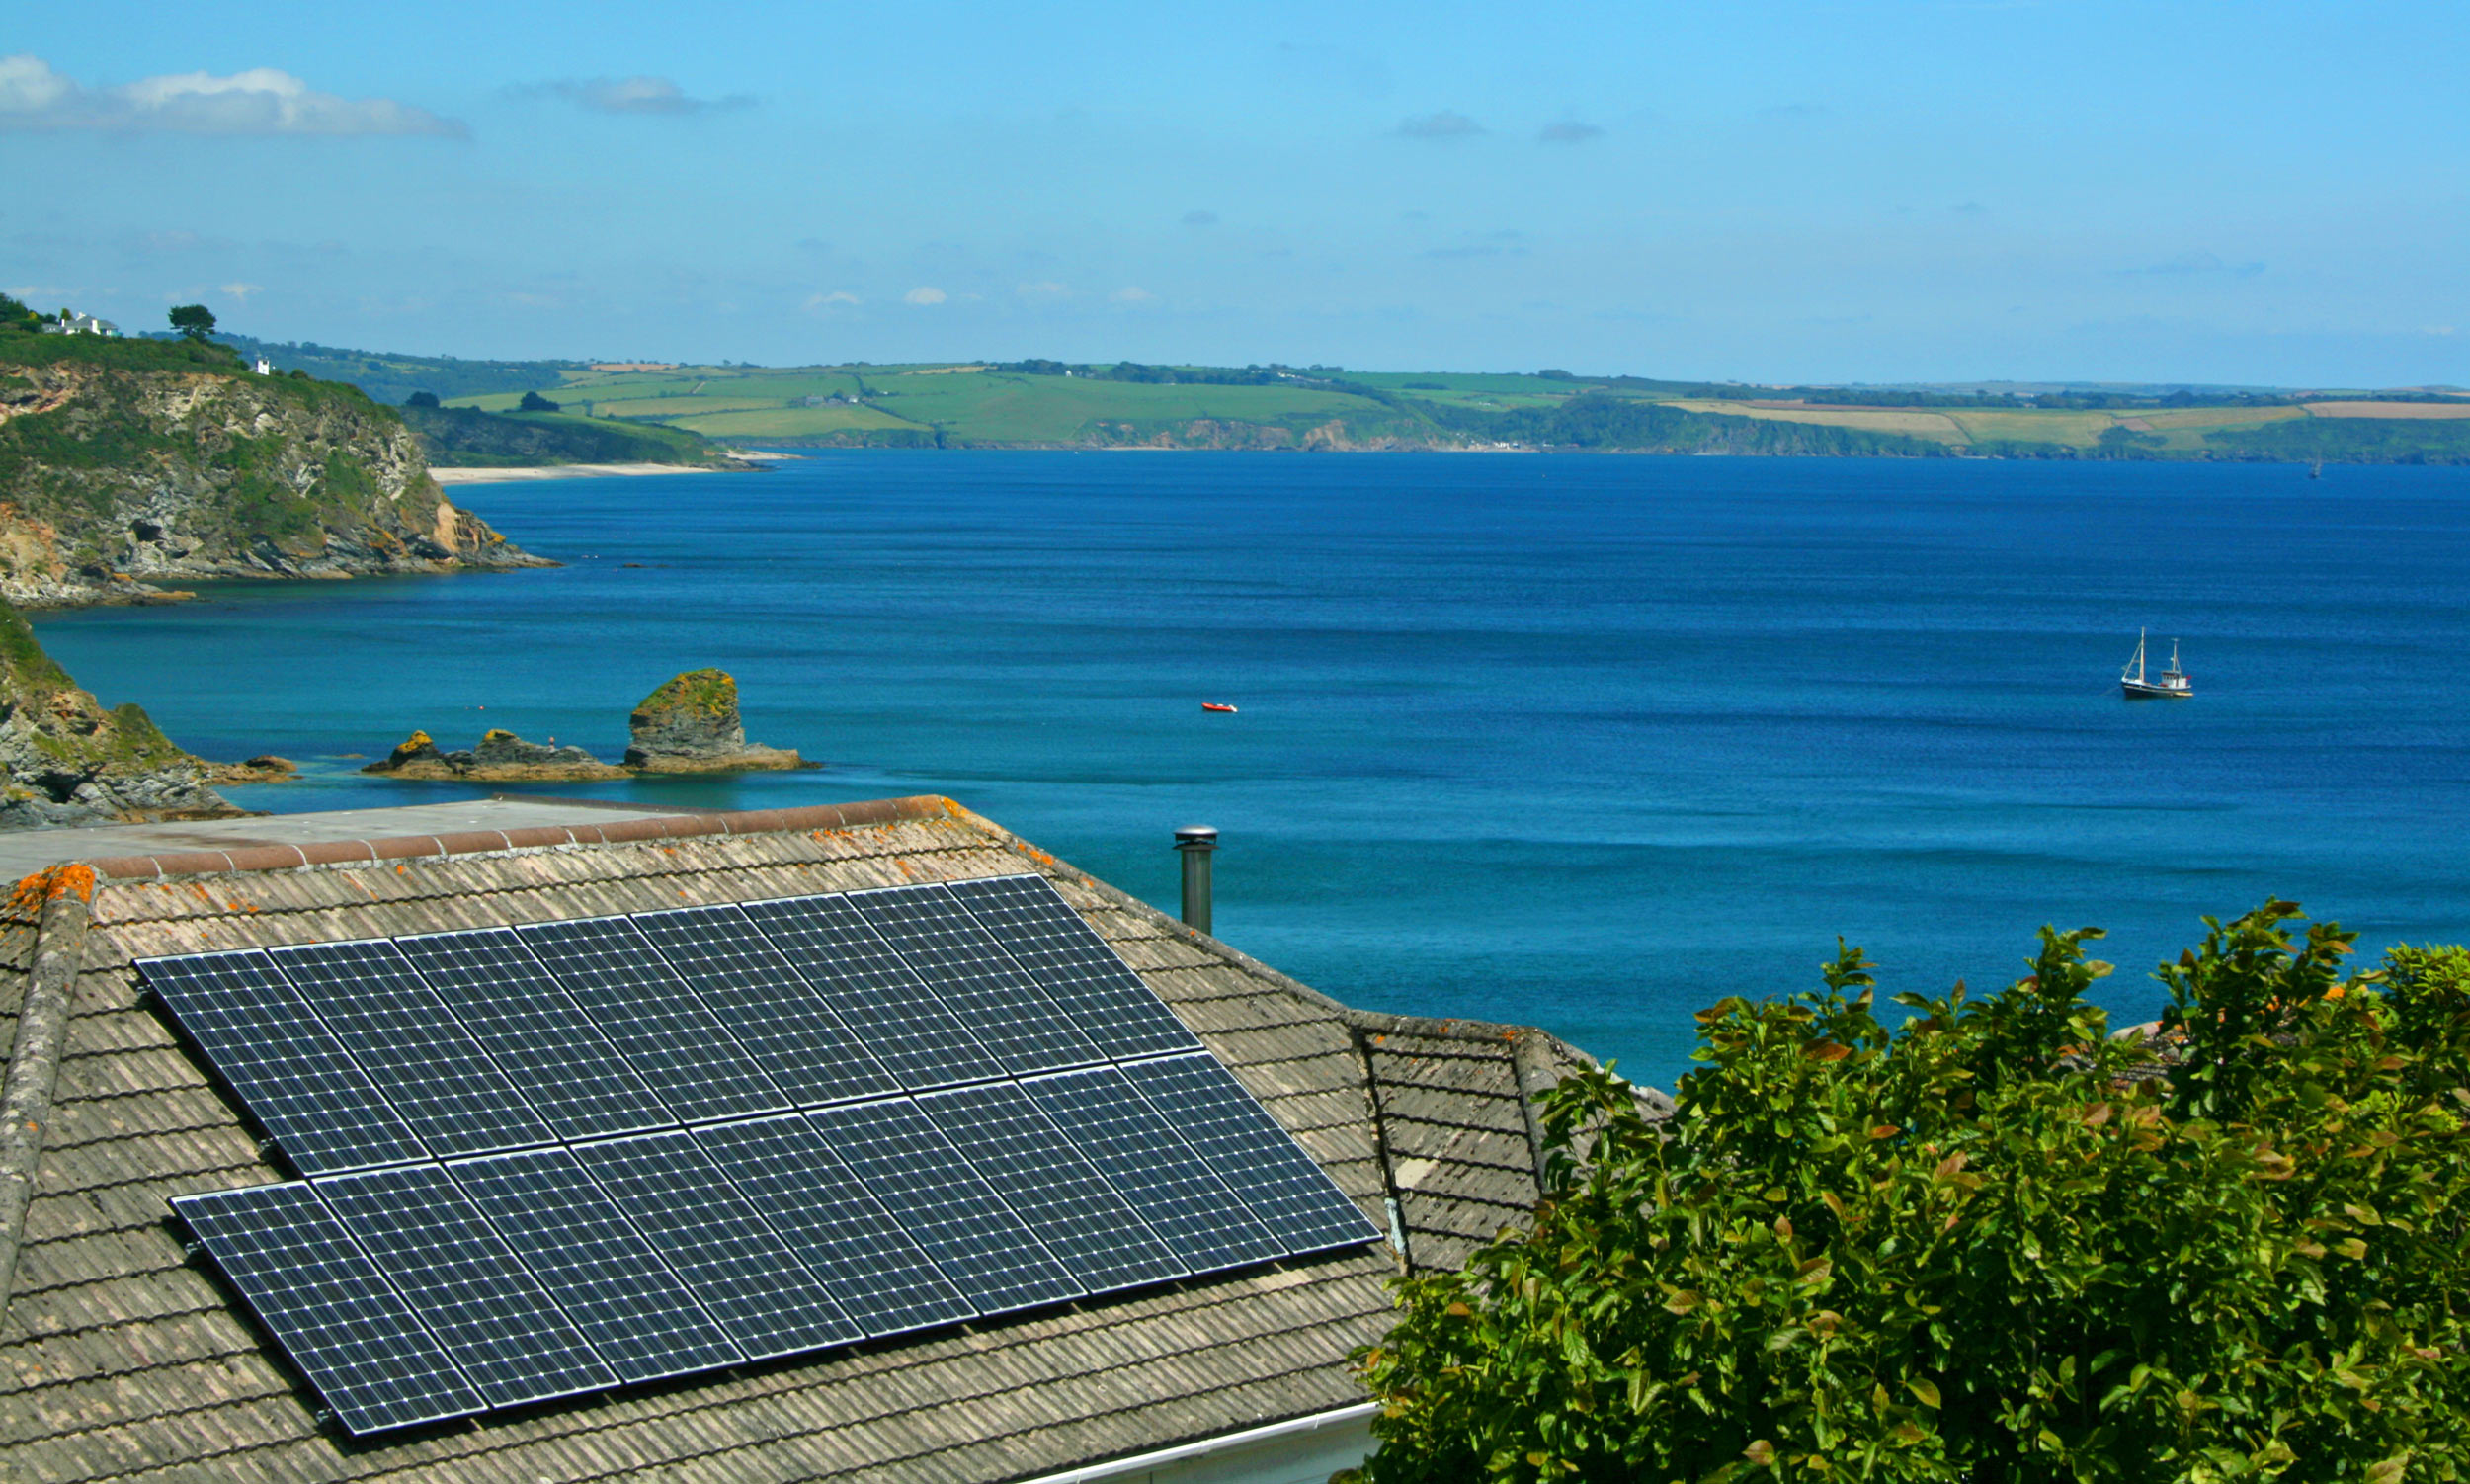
(1216, 705)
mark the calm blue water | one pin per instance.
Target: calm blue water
(1583, 742)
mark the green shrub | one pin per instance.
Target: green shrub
(1994, 1245)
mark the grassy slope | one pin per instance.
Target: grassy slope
(462, 437)
(388, 378)
(920, 404)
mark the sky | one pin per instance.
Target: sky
(2261, 192)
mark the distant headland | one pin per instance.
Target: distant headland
(1055, 404)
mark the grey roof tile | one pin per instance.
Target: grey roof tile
(132, 1365)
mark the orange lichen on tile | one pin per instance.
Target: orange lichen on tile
(50, 885)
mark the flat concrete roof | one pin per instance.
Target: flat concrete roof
(25, 852)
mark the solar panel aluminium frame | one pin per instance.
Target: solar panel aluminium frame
(333, 1119)
(369, 1315)
(539, 1035)
(788, 1030)
(1011, 1015)
(1082, 973)
(1254, 1165)
(466, 1284)
(672, 1038)
(388, 1018)
(879, 994)
(612, 1283)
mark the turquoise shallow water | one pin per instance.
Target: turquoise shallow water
(1583, 742)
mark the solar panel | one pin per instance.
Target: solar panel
(576, 1081)
(1088, 979)
(506, 1335)
(1116, 1129)
(617, 1292)
(1080, 1218)
(1245, 1147)
(711, 1237)
(790, 1033)
(876, 994)
(316, 1292)
(436, 1077)
(296, 1079)
(935, 1193)
(655, 1021)
(504, 1207)
(789, 1174)
(1012, 1017)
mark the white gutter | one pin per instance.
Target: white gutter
(1223, 1442)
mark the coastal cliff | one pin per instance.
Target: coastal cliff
(127, 467)
(65, 760)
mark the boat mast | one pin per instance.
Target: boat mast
(2139, 656)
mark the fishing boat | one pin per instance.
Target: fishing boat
(2171, 682)
(1216, 705)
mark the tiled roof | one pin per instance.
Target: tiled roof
(124, 1360)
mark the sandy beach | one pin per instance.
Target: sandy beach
(565, 472)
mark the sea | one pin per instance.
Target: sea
(1582, 742)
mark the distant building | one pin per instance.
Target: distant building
(71, 322)
(262, 367)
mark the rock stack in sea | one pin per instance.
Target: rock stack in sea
(500, 757)
(690, 724)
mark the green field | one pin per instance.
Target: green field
(1037, 405)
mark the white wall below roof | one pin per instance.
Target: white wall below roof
(1276, 1456)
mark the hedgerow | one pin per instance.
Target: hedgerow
(1993, 1244)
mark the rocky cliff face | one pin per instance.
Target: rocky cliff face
(67, 761)
(119, 480)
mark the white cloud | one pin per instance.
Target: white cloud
(1046, 293)
(924, 294)
(28, 85)
(259, 101)
(241, 291)
(2440, 330)
(834, 299)
(640, 95)
(1132, 294)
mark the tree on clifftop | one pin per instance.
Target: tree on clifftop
(1990, 1245)
(535, 402)
(194, 321)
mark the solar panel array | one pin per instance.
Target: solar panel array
(568, 1156)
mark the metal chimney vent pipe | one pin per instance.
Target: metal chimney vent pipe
(1196, 842)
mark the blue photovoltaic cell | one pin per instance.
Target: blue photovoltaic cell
(876, 994)
(434, 1074)
(438, 1285)
(789, 1174)
(617, 1292)
(735, 1264)
(315, 1291)
(1245, 1147)
(1072, 963)
(656, 1022)
(1193, 1210)
(495, 1322)
(781, 1023)
(308, 1094)
(576, 1081)
(981, 983)
(1080, 1218)
(955, 1216)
